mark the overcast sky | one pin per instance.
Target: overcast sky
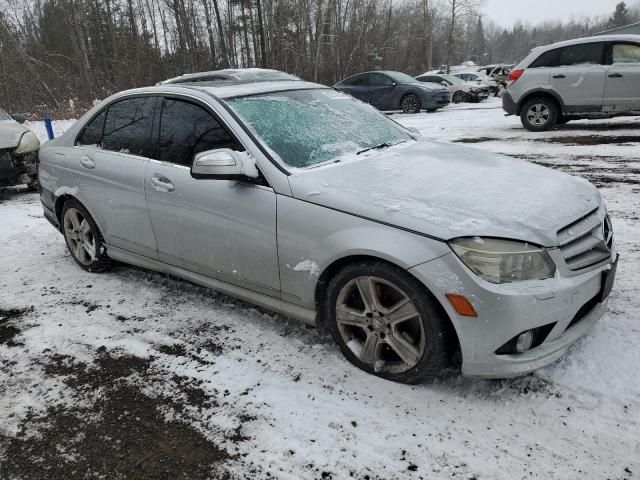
(506, 12)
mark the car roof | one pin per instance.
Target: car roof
(230, 74)
(228, 89)
(597, 38)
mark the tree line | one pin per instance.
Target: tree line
(58, 56)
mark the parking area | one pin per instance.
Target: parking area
(132, 374)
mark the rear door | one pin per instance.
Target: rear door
(579, 76)
(358, 87)
(622, 89)
(223, 229)
(109, 163)
(382, 90)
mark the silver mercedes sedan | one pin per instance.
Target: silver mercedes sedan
(416, 256)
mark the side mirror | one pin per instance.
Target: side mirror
(18, 117)
(219, 164)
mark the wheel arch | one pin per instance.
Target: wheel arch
(62, 197)
(337, 265)
(540, 92)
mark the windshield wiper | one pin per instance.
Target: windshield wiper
(381, 146)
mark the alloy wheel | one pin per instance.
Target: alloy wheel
(410, 104)
(458, 97)
(79, 236)
(380, 324)
(538, 114)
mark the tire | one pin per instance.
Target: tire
(539, 114)
(459, 97)
(366, 333)
(83, 238)
(410, 103)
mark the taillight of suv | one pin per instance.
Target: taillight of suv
(514, 75)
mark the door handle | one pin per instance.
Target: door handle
(616, 75)
(559, 76)
(86, 162)
(162, 183)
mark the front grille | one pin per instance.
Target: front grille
(587, 241)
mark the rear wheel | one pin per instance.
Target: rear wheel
(539, 114)
(83, 238)
(459, 97)
(386, 324)
(410, 104)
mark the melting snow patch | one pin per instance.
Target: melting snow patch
(307, 266)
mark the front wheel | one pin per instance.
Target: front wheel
(83, 237)
(385, 323)
(539, 114)
(459, 97)
(410, 104)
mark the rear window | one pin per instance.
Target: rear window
(127, 128)
(584, 54)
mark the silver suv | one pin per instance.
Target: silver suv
(596, 77)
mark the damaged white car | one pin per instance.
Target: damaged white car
(18, 152)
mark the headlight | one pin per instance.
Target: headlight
(503, 261)
(28, 143)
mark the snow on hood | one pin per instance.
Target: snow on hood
(10, 133)
(449, 191)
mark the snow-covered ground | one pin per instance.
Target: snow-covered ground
(252, 395)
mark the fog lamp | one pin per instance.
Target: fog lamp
(524, 342)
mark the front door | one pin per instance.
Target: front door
(223, 229)
(622, 90)
(381, 92)
(109, 162)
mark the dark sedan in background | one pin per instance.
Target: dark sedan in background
(388, 91)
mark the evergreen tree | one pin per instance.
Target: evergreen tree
(620, 17)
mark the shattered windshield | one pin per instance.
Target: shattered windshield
(310, 127)
(4, 115)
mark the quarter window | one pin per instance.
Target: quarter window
(187, 129)
(92, 133)
(127, 127)
(626, 53)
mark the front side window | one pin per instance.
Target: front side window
(187, 129)
(127, 128)
(626, 53)
(380, 80)
(4, 115)
(91, 135)
(310, 127)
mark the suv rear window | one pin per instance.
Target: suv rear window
(584, 54)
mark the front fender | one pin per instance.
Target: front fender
(330, 235)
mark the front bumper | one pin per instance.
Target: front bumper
(434, 101)
(567, 306)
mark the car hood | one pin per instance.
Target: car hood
(10, 134)
(448, 191)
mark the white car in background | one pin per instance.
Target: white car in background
(480, 79)
(460, 90)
